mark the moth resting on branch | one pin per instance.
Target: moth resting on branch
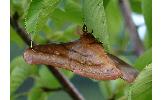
(85, 57)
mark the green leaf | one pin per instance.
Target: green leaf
(104, 89)
(147, 12)
(37, 94)
(12, 98)
(118, 37)
(19, 6)
(69, 13)
(95, 19)
(144, 59)
(63, 36)
(38, 14)
(15, 38)
(105, 3)
(147, 40)
(136, 6)
(142, 87)
(19, 72)
(46, 79)
(113, 87)
(114, 17)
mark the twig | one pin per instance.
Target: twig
(126, 11)
(67, 85)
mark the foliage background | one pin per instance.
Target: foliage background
(58, 21)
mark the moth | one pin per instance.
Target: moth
(85, 56)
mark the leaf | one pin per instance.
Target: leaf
(38, 14)
(95, 19)
(142, 87)
(118, 37)
(111, 88)
(19, 6)
(144, 59)
(37, 94)
(46, 79)
(68, 12)
(63, 36)
(147, 12)
(105, 3)
(19, 72)
(105, 89)
(15, 38)
(147, 40)
(136, 6)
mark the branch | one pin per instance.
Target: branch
(126, 11)
(67, 85)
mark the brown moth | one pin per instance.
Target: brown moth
(85, 57)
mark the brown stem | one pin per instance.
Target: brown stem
(126, 11)
(67, 85)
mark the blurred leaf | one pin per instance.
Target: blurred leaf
(13, 97)
(19, 72)
(15, 38)
(105, 89)
(144, 59)
(68, 11)
(118, 36)
(147, 40)
(19, 6)
(113, 89)
(114, 17)
(95, 19)
(37, 94)
(46, 79)
(147, 12)
(38, 14)
(40, 38)
(105, 3)
(142, 87)
(67, 35)
(136, 6)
